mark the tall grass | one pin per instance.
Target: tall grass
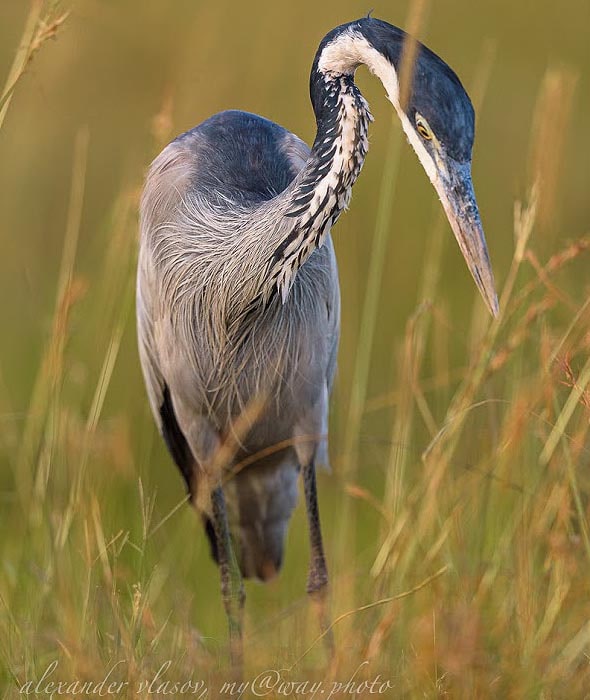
(461, 569)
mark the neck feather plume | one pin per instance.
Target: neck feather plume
(324, 186)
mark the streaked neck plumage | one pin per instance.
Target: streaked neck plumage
(324, 186)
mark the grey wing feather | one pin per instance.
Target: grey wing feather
(167, 176)
(333, 305)
(154, 381)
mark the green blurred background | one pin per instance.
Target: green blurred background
(118, 64)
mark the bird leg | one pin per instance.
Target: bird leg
(317, 578)
(232, 585)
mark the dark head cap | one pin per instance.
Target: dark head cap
(436, 93)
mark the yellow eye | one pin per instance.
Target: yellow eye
(423, 129)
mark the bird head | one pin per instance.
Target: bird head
(437, 117)
(439, 122)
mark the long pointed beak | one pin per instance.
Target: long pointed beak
(455, 189)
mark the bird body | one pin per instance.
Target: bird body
(238, 301)
(191, 265)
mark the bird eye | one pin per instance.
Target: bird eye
(423, 128)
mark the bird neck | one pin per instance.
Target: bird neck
(324, 186)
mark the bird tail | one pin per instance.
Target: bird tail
(260, 500)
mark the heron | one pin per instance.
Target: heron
(238, 300)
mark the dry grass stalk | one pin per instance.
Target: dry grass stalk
(38, 30)
(551, 117)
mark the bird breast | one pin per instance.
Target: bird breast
(279, 352)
